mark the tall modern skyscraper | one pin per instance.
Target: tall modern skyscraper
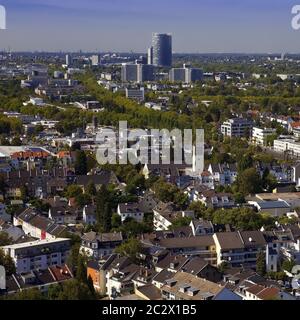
(162, 49)
(95, 59)
(69, 60)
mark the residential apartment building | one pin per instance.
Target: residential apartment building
(260, 135)
(39, 254)
(237, 127)
(287, 144)
(239, 248)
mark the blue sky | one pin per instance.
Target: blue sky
(125, 25)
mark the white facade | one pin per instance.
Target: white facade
(260, 135)
(39, 254)
(135, 214)
(282, 145)
(237, 127)
(88, 218)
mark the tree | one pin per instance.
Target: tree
(28, 294)
(75, 290)
(288, 265)
(181, 222)
(269, 181)
(83, 199)
(116, 221)
(130, 248)
(3, 186)
(81, 163)
(91, 189)
(5, 240)
(54, 291)
(261, 263)
(135, 184)
(73, 191)
(132, 228)
(246, 162)
(7, 262)
(81, 271)
(24, 192)
(16, 141)
(239, 198)
(249, 182)
(223, 266)
(73, 257)
(104, 208)
(90, 285)
(168, 192)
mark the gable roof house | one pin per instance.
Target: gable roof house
(38, 226)
(103, 178)
(185, 286)
(213, 199)
(99, 245)
(64, 215)
(89, 214)
(130, 210)
(164, 214)
(223, 174)
(202, 269)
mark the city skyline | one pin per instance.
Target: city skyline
(216, 26)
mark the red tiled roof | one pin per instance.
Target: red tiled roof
(61, 273)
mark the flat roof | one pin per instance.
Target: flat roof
(276, 196)
(273, 204)
(34, 243)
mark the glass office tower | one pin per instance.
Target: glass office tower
(162, 49)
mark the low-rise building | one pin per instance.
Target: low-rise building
(275, 208)
(185, 286)
(130, 210)
(38, 226)
(99, 245)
